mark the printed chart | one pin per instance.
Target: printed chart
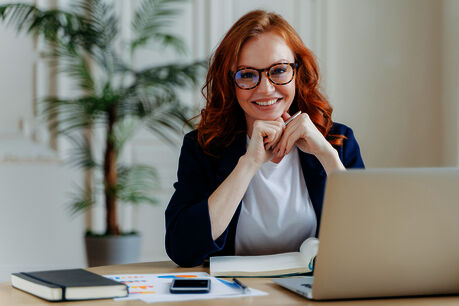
(153, 288)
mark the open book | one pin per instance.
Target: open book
(267, 265)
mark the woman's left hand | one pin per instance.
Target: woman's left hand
(302, 132)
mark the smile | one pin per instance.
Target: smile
(267, 103)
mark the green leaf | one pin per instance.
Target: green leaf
(151, 20)
(81, 201)
(84, 39)
(53, 25)
(102, 19)
(81, 153)
(73, 114)
(123, 131)
(170, 75)
(136, 184)
(77, 66)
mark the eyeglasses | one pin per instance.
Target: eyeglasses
(278, 74)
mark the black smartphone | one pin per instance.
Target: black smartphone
(190, 285)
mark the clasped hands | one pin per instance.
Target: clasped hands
(272, 140)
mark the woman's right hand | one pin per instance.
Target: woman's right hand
(265, 136)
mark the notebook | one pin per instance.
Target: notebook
(386, 233)
(71, 284)
(283, 264)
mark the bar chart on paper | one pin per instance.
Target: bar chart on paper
(152, 288)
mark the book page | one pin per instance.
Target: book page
(292, 262)
(309, 249)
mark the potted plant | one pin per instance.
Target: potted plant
(113, 96)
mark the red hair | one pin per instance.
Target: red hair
(222, 119)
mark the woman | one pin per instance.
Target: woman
(248, 183)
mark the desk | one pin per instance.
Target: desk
(277, 295)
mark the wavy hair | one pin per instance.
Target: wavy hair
(222, 119)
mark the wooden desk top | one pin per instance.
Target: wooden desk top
(277, 295)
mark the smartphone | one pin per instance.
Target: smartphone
(190, 285)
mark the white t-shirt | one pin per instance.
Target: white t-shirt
(277, 213)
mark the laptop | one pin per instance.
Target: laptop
(386, 233)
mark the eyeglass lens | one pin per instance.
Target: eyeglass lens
(278, 74)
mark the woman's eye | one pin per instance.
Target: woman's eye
(247, 75)
(279, 70)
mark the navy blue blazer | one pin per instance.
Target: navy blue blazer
(188, 230)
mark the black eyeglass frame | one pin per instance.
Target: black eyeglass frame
(260, 71)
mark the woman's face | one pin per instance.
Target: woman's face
(267, 101)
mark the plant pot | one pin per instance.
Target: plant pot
(112, 250)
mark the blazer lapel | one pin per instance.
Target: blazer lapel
(230, 158)
(315, 178)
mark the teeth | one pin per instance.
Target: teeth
(270, 102)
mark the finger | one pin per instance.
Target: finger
(279, 131)
(278, 128)
(276, 123)
(286, 116)
(261, 128)
(273, 124)
(280, 145)
(291, 141)
(285, 135)
(271, 133)
(287, 144)
(275, 135)
(289, 137)
(268, 131)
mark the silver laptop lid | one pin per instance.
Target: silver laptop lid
(389, 232)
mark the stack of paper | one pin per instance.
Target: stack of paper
(152, 288)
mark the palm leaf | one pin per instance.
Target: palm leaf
(81, 201)
(73, 114)
(151, 20)
(77, 66)
(54, 24)
(135, 184)
(112, 94)
(81, 154)
(123, 131)
(179, 75)
(170, 116)
(102, 18)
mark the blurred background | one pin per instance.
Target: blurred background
(389, 68)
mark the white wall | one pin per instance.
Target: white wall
(450, 82)
(383, 65)
(37, 230)
(390, 69)
(16, 79)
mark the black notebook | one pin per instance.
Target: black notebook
(73, 284)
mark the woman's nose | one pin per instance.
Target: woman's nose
(265, 84)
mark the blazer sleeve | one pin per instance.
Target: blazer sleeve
(188, 229)
(351, 156)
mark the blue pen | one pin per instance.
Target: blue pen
(244, 288)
